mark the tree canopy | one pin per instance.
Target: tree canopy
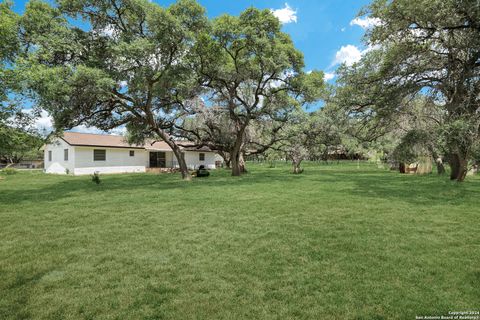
(252, 72)
(131, 67)
(428, 47)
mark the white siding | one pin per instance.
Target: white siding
(117, 160)
(58, 165)
(170, 159)
(218, 157)
(193, 162)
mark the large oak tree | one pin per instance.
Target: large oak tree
(128, 66)
(252, 71)
(429, 47)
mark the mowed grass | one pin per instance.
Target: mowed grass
(336, 242)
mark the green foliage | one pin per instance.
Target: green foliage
(412, 146)
(9, 42)
(9, 171)
(17, 144)
(131, 60)
(426, 47)
(96, 178)
(132, 66)
(9, 46)
(255, 76)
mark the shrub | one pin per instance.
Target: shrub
(9, 171)
(96, 177)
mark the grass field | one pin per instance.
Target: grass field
(337, 242)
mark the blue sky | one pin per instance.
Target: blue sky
(326, 31)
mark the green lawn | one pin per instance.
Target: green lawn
(337, 242)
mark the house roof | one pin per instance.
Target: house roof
(97, 140)
(113, 141)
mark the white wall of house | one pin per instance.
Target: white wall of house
(58, 164)
(192, 158)
(218, 157)
(118, 160)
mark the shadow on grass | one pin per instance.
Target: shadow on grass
(367, 183)
(413, 189)
(126, 183)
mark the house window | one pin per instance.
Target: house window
(201, 156)
(158, 160)
(99, 155)
(65, 154)
(49, 155)
(132, 153)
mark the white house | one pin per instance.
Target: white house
(85, 153)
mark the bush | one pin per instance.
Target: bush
(96, 177)
(9, 171)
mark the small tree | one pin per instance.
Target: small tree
(17, 144)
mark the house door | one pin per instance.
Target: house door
(157, 160)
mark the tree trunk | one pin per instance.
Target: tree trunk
(235, 155)
(459, 167)
(463, 169)
(296, 166)
(438, 161)
(241, 163)
(226, 158)
(235, 163)
(181, 162)
(10, 163)
(178, 154)
(440, 166)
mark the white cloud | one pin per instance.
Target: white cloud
(351, 54)
(365, 22)
(328, 76)
(108, 31)
(348, 54)
(91, 129)
(86, 129)
(119, 131)
(44, 123)
(285, 15)
(343, 29)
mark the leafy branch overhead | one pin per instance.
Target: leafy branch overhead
(429, 48)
